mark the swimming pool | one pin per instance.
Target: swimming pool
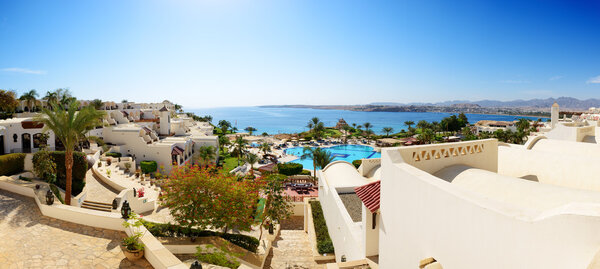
(347, 153)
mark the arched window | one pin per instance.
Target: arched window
(39, 140)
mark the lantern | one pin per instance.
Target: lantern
(343, 258)
(196, 265)
(49, 197)
(115, 204)
(125, 210)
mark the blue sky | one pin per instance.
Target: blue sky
(237, 53)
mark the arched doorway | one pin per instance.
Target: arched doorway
(26, 143)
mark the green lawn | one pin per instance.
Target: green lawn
(230, 163)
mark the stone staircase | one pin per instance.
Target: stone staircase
(96, 206)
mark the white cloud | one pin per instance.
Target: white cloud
(594, 80)
(556, 77)
(515, 81)
(23, 70)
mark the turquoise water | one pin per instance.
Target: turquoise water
(347, 153)
(292, 120)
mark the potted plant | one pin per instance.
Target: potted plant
(127, 166)
(132, 248)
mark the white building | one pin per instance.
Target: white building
(475, 204)
(490, 126)
(146, 131)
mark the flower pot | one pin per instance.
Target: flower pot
(132, 255)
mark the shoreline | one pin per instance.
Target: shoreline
(342, 109)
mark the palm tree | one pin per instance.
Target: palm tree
(97, 104)
(426, 136)
(367, 126)
(51, 98)
(70, 127)
(239, 147)
(409, 123)
(223, 141)
(422, 124)
(313, 122)
(251, 159)
(178, 107)
(265, 147)
(522, 124)
(205, 155)
(320, 157)
(387, 130)
(318, 130)
(124, 101)
(29, 98)
(369, 134)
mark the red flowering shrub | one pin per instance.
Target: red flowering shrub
(208, 198)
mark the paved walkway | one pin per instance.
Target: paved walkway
(290, 250)
(98, 191)
(30, 240)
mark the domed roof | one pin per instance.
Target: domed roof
(555, 104)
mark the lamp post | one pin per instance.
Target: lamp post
(49, 197)
(125, 210)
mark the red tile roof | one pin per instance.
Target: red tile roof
(177, 151)
(369, 195)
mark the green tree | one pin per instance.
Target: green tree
(277, 207)
(97, 104)
(265, 147)
(239, 147)
(522, 124)
(205, 155)
(251, 159)
(70, 127)
(409, 123)
(422, 124)
(223, 141)
(51, 98)
(387, 130)
(207, 199)
(320, 157)
(8, 102)
(426, 135)
(224, 126)
(367, 126)
(30, 99)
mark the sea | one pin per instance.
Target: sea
(277, 120)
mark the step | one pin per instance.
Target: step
(96, 208)
(97, 203)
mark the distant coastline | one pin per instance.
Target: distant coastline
(466, 108)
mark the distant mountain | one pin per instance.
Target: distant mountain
(563, 102)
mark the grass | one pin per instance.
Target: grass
(230, 163)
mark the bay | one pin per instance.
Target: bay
(292, 120)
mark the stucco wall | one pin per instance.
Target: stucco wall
(346, 235)
(424, 216)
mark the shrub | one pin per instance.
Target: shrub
(357, 163)
(44, 165)
(305, 172)
(170, 230)
(289, 169)
(11, 164)
(148, 166)
(113, 154)
(218, 256)
(324, 243)
(80, 167)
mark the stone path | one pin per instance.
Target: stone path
(98, 191)
(290, 250)
(30, 240)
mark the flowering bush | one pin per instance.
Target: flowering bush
(208, 198)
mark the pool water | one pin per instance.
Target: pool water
(347, 153)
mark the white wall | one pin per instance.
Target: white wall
(424, 216)
(346, 235)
